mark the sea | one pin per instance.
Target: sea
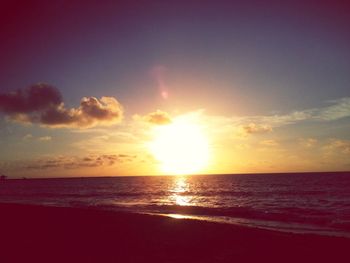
(317, 203)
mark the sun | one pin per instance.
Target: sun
(181, 147)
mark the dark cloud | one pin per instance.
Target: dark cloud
(158, 117)
(74, 162)
(34, 98)
(43, 104)
(91, 112)
(126, 156)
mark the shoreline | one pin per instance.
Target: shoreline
(284, 227)
(33, 233)
(251, 223)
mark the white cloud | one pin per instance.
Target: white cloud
(337, 146)
(269, 143)
(339, 109)
(27, 137)
(308, 142)
(45, 138)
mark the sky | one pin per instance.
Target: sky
(106, 88)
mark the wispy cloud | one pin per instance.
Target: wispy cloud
(337, 146)
(45, 138)
(269, 143)
(339, 109)
(308, 142)
(252, 128)
(27, 137)
(76, 162)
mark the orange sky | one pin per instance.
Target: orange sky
(100, 89)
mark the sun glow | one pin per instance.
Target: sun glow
(181, 147)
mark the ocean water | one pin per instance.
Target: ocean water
(307, 203)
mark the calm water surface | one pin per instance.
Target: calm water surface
(312, 202)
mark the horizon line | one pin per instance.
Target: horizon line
(171, 175)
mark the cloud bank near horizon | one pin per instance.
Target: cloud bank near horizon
(76, 162)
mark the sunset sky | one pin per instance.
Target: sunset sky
(103, 88)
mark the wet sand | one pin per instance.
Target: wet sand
(52, 234)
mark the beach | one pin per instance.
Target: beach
(57, 234)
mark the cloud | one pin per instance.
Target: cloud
(34, 98)
(338, 109)
(269, 143)
(27, 137)
(252, 128)
(157, 118)
(90, 113)
(266, 123)
(338, 146)
(43, 104)
(76, 162)
(308, 142)
(45, 138)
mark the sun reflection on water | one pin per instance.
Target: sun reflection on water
(178, 216)
(178, 193)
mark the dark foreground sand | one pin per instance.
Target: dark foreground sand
(48, 234)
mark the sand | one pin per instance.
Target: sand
(52, 234)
